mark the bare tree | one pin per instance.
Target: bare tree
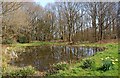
(8, 7)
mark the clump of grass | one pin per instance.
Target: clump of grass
(26, 71)
(60, 66)
(56, 67)
(88, 63)
(107, 64)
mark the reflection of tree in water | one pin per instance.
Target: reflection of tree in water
(41, 57)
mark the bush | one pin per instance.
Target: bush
(88, 63)
(107, 64)
(26, 71)
(7, 41)
(23, 39)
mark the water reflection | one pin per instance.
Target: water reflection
(41, 57)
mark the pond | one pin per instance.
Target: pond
(42, 57)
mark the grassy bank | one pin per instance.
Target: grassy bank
(36, 43)
(75, 69)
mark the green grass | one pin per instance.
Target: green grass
(76, 70)
(36, 43)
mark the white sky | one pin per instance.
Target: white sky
(44, 2)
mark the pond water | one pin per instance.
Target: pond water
(42, 57)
